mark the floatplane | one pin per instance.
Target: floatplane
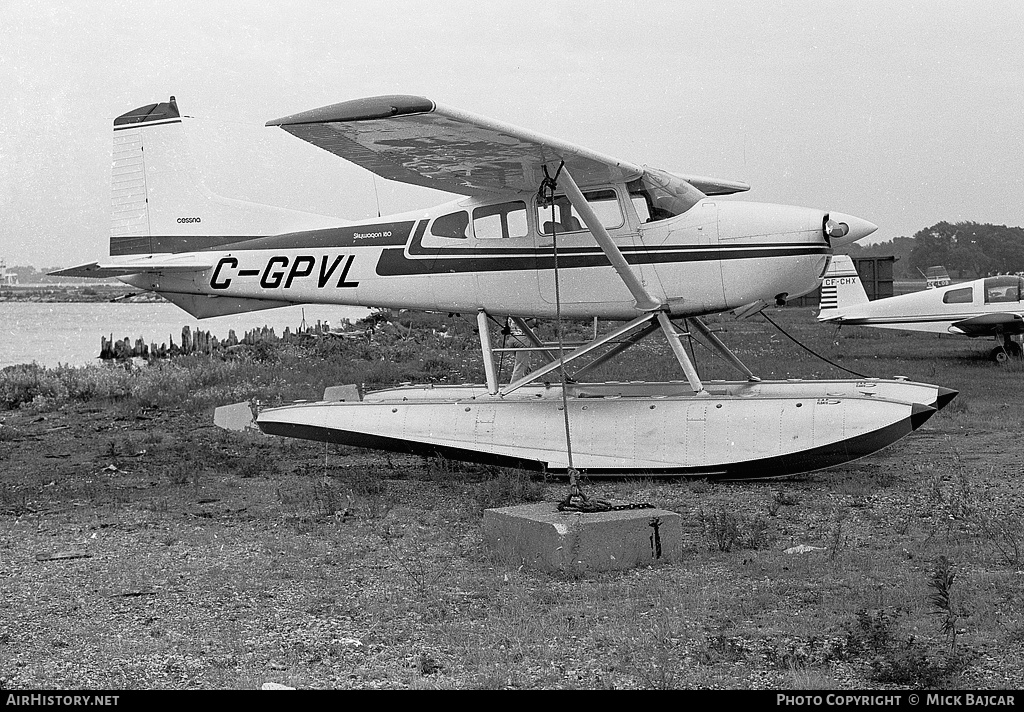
(541, 229)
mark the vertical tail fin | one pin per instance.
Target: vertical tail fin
(936, 276)
(159, 202)
(840, 288)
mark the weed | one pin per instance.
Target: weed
(411, 557)
(836, 537)
(724, 529)
(1004, 533)
(941, 583)
(721, 527)
(781, 498)
(368, 494)
(506, 488)
(325, 498)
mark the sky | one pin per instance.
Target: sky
(903, 113)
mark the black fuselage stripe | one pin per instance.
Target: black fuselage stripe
(393, 262)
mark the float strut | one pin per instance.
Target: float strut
(485, 346)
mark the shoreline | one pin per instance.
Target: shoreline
(60, 293)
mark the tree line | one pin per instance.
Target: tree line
(966, 249)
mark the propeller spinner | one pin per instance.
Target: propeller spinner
(841, 229)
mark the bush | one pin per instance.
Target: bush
(23, 384)
(897, 659)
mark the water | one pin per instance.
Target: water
(69, 333)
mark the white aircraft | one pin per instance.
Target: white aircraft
(991, 306)
(543, 229)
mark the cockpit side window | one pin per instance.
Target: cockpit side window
(1005, 288)
(501, 221)
(661, 195)
(959, 296)
(604, 202)
(451, 225)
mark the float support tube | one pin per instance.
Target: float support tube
(581, 351)
(680, 352)
(485, 346)
(701, 328)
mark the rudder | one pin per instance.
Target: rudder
(840, 288)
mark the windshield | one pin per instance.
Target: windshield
(664, 195)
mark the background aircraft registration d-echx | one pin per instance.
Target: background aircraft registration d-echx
(541, 228)
(991, 306)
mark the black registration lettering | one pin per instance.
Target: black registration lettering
(277, 273)
(272, 279)
(326, 272)
(215, 281)
(302, 267)
(343, 282)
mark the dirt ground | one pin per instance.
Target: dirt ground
(152, 550)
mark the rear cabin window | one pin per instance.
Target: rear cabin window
(501, 221)
(451, 225)
(959, 296)
(604, 203)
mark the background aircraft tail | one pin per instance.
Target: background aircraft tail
(159, 203)
(936, 276)
(840, 288)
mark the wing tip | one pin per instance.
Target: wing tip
(374, 107)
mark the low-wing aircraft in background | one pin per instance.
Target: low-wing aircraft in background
(992, 306)
(542, 229)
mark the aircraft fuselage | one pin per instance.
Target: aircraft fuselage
(496, 256)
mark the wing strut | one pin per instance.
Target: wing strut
(644, 301)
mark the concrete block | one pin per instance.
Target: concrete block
(541, 537)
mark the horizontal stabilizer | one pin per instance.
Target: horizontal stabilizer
(203, 306)
(97, 270)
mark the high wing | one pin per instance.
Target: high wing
(992, 324)
(414, 140)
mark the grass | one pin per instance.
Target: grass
(227, 560)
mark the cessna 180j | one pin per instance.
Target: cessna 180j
(992, 306)
(543, 229)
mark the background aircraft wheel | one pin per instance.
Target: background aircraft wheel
(1014, 350)
(999, 355)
